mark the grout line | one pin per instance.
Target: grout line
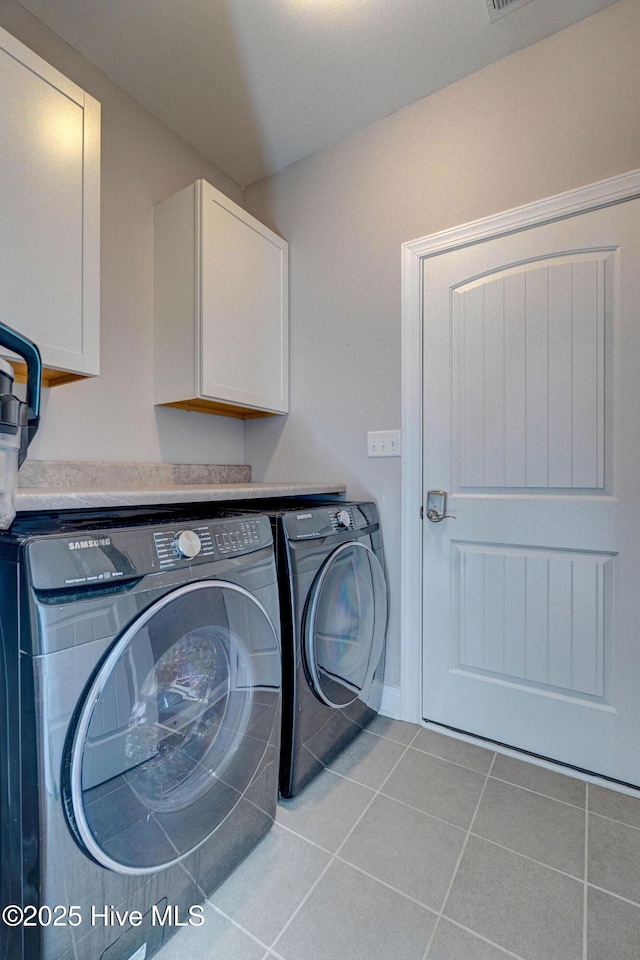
(303, 901)
(603, 816)
(377, 792)
(507, 953)
(401, 743)
(301, 836)
(334, 857)
(432, 816)
(235, 923)
(389, 886)
(480, 836)
(537, 793)
(586, 874)
(544, 763)
(358, 783)
(524, 856)
(549, 765)
(458, 862)
(616, 896)
(455, 763)
(545, 796)
(511, 783)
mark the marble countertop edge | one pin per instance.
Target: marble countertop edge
(74, 498)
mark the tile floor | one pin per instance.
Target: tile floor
(416, 846)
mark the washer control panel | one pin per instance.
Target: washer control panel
(174, 545)
(99, 556)
(206, 541)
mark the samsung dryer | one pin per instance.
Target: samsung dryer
(140, 707)
(334, 601)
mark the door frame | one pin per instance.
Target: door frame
(603, 193)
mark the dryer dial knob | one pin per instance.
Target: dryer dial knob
(344, 519)
(187, 544)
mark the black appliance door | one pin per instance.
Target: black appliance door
(160, 751)
(345, 625)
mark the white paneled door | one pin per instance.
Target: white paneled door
(532, 425)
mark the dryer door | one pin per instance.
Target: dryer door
(345, 625)
(160, 751)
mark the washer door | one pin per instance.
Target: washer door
(345, 625)
(159, 753)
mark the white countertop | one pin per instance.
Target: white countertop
(78, 498)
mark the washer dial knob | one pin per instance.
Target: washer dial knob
(187, 544)
(343, 519)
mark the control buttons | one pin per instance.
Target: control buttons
(187, 544)
(238, 537)
(343, 519)
(177, 548)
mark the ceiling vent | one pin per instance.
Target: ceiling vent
(500, 8)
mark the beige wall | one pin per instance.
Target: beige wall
(112, 417)
(562, 113)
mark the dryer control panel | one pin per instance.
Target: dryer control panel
(339, 518)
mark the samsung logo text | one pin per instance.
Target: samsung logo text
(85, 544)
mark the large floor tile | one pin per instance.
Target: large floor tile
(368, 759)
(267, 887)
(537, 826)
(354, 874)
(613, 928)
(542, 780)
(614, 857)
(216, 937)
(617, 806)
(452, 943)
(326, 810)
(523, 906)
(436, 786)
(409, 850)
(451, 748)
(350, 915)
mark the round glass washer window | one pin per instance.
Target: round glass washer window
(159, 755)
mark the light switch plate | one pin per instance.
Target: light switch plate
(383, 443)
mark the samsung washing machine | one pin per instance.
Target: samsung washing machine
(140, 722)
(334, 601)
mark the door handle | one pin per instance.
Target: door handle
(437, 506)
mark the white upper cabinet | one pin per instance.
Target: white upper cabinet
(221, 307)
(49, 212)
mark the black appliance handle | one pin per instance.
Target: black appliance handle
(26, 349)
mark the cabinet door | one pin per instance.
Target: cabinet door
(244, 319)
(49, 210)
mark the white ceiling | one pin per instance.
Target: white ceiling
(255, 85)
